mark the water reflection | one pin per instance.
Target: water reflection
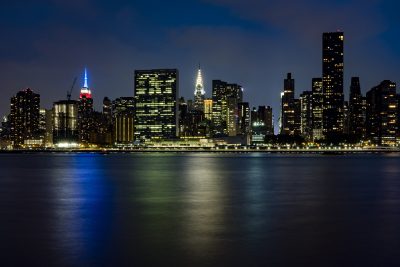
(256, 209)
(199, 209)
(82, 208)
(205, 198)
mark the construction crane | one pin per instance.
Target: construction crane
(72, 88)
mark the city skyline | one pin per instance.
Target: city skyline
(261, 50)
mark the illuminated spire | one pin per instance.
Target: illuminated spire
(199, 83)
(199, 92)
(85, 81)
(85, 91)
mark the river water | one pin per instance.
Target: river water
(199, 209)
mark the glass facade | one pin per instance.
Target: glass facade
(65, 123)
(225, 98)
(317, 109)
(156, 97)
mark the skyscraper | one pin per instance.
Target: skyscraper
(232, 119)
(208, 104)
(290, 124)
(24, 117)
(382, 114)
(46, 126)
(306, 115)
(156, 99)
(332, 83)
(199, 92)
(317, 109)
(192, 123)
(65, 124)
(123, 110)
(356, 110)
(225, 97)
(244, 119)
(107, 108)
(85, 110)
(262, 124)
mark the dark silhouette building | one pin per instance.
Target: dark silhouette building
(332, 82)
(290, 116)
(123, 110)
(382, 108)
(107, 108)
(346, 118)
(356, 110)
(192, 123)
(262, 124)
(244, 119)
(100, 133)
(156, 100)
(24, 118)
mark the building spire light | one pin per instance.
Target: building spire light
(199, 92)
(85, 91)
(85, 85)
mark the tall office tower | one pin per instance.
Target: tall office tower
(183, 116)
(85, 111)
(306, 99)
(194, 124)
(191, 122)
(24, 117)
(5, 128)
(46, 126)
(346, 118)
(288, 108)
(297, 118)
(244, 118)
(123, 110)
(398, 118)
(156, 100)
(65, 124)
(382, 105)
(257, 128)
(208, 104)
(199, 92)
(262, 124)
(107, 108)
(332, 83)
(225, 96)
(232, 121)
(101, 132)
(317, 109)
(107, 122)
(356, 110)
(269, 121)
(265, 114)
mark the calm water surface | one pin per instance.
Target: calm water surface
(199, 210)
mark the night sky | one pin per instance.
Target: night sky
(45, 44)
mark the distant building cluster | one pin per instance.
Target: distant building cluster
(156, 114)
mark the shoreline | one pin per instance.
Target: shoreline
(201, 150)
